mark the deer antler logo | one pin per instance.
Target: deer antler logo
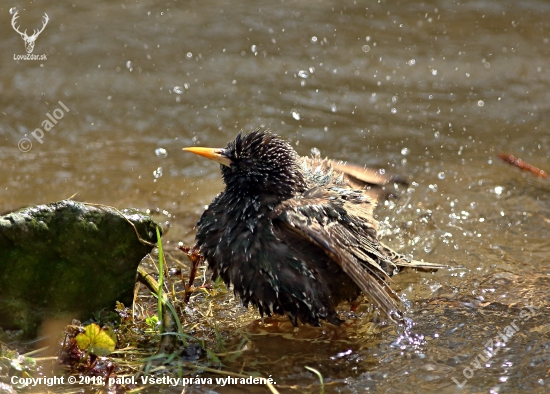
(29, 41)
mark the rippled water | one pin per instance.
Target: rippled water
(431, 90)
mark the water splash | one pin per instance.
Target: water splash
(315, 151)
(157, 173)
(161, 152)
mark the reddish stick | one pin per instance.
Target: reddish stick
(515, 161)
(196, 259)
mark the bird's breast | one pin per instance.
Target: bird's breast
(234, 232)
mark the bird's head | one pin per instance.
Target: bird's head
(256, 163)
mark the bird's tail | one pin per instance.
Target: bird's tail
(400, 260)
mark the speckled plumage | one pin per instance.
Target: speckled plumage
(293, 235)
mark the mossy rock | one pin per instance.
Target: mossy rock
(68, 259)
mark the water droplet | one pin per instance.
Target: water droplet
(253, 48)
(480, 103)
(333, 108)
(157, 173)
(382, 171)
(314, 39)
(13, 10)
(405, 151)
(129, 65)
(441, 175)
(411, 62)
(366, 48)
(161, 152)
(189, 55)
(315, 151)
(498, 190)
(295, 114)
(434, 71)
(393, 110)
(303, 74)
(178, 90)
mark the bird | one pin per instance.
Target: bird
(296, 235)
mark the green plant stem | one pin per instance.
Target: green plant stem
(161, 276)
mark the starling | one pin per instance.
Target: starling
(296, 235)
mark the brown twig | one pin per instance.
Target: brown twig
(196, 259)
(516, 161)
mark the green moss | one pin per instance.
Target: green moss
(68, 257)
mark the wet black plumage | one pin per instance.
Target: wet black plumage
(296, 235)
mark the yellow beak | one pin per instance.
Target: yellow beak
(211, 153)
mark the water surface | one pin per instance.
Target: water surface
(431, 90)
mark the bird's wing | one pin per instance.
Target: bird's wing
(366, 175)
(340, 222)
(375, 184)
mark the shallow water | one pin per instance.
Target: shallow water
(431, 90)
